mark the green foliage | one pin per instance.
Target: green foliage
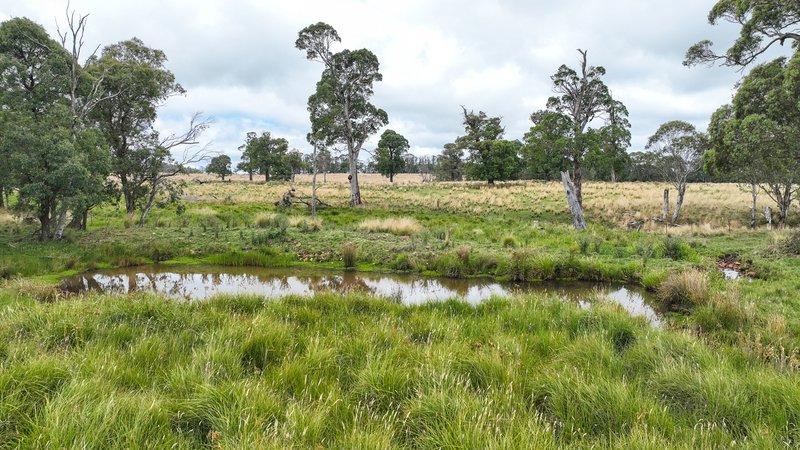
(389, 159)
(763, 24)
(51, 153)
(339, 109)
(220, 166)
(490, 158)
(450, 164)
(265, 155)
(136, 79)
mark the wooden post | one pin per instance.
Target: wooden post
(572, 199)
(665, 213)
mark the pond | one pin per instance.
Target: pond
(200, 282)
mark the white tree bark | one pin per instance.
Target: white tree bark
(572, 199)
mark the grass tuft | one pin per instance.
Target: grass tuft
(401, 226)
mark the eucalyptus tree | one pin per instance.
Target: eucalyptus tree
(764, 23)
(265, 154)
(53, 162)
(615, 137)
(389, 159)
(680, 148)
(546, 145)
(582, 97)
(758, 136)
(340, 109)
(138, 81)
(450, 164)
(220, 166)
(489, 157)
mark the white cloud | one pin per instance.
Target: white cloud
(238, 62)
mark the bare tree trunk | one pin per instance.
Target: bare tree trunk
(250, 174)
(355, 192)
(150, 200)
(613, 174)
(62, 222)
(679, 203)
(2, 196)
(665, 210)
(314, 184)
(577, 181)
(768, 216)
(575, 207)
(44, 222)
(754, 193)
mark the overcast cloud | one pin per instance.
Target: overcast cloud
(238, 63)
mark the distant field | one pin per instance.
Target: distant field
(708, 207)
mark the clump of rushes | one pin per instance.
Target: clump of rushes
(401, 226)
(272, 220)
(510, 241)
(683, 291)
(349, 254)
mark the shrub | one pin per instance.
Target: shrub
(349, 254)
(521, 267)
(677, 250)
(651, 281)
(463, 253)
(684, 290)
(401, 226)
(402, 262)
(510, 241)
(450, 265)
(790, 245)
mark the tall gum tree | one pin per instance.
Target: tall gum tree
(389, 154)
(339, 108)
(757, 138)
(582, 97)
(681, 148)
(49, 158)
(137, 78)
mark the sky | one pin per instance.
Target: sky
(237, 60)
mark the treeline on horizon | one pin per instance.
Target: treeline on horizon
(72, 123)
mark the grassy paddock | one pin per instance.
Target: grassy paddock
(361, 372)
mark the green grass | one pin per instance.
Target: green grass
(360, 372)
(355, 371)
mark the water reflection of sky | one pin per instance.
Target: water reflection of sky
(197, 283)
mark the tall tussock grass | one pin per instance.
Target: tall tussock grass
(354, 371)
(401, 226)
(684, 290)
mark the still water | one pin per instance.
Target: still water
(200, 282)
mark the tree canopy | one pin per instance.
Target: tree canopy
(389, 159)
(764, 23)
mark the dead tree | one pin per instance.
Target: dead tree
(162, 155)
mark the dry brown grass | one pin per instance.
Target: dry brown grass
(708, 209)
(401, 226)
